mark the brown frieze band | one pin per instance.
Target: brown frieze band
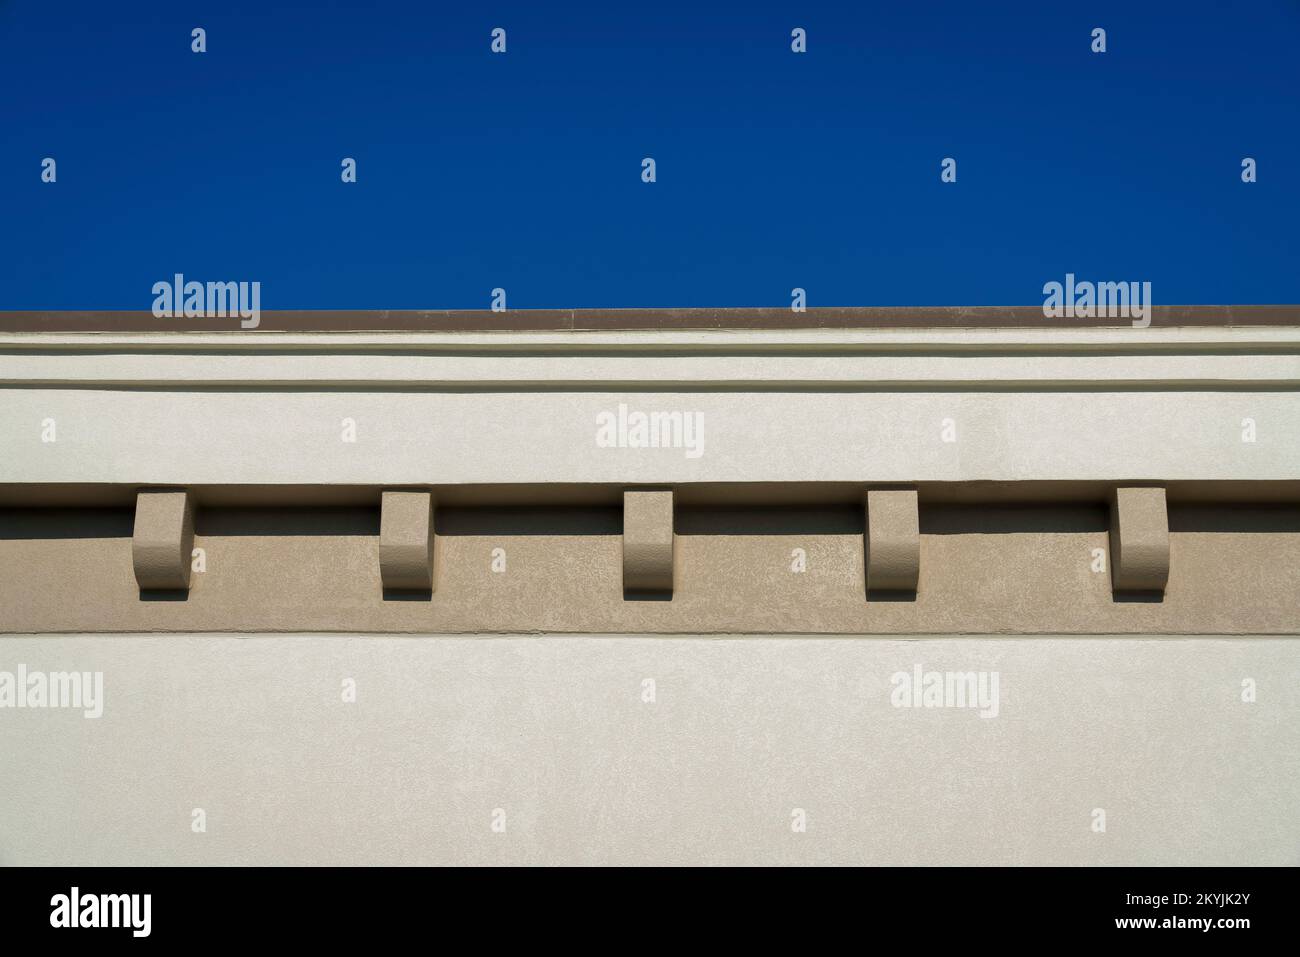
(622, 320)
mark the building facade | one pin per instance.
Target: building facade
(662, 586)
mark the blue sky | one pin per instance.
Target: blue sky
(523, 170)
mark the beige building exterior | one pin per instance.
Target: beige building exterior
(654, 586)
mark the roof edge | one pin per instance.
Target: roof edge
(624, 320)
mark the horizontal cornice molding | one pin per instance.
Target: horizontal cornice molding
(818, 405)
(668, 341)
(1214, 359)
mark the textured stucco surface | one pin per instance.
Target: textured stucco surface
(417, 438)
(893, 540)
(648, 541)
(984, 569)
(1139, 539)
(163, 539)
(406, 523)
(554, 731)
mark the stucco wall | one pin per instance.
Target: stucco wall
(555, 733)
(994, 570)
(1178, 719)
(148, 437)
(933, 405)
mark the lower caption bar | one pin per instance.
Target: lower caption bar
(970, 906)
(336, 906)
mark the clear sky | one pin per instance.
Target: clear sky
(523, 170)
